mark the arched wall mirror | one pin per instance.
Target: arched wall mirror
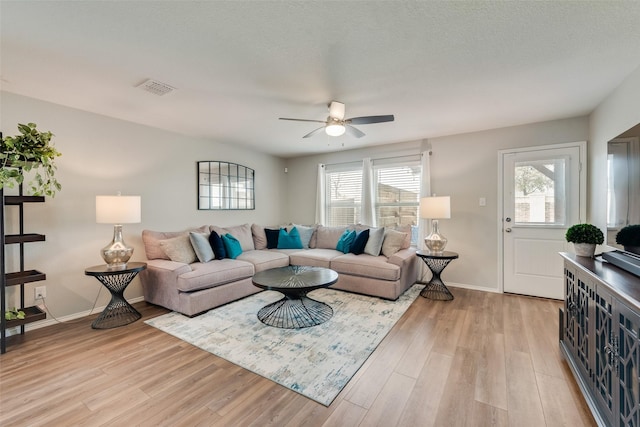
(225, 186)
(623, 182)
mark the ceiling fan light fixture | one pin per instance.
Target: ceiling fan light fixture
(335, 129)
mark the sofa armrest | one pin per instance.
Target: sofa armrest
(402, 257)
(160, 280)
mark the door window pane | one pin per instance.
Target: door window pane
(540, 192)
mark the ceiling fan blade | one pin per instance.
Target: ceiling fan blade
(313, 132)
(354, 132)
(336, 110)
(303, 120)
(370, 119)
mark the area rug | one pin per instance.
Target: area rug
(316, 362)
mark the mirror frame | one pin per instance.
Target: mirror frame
(225, 186)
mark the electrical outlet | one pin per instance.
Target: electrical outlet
(40, 292)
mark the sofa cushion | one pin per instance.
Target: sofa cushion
(360, 242)
(345, 241)
(366, 266)
(327, 237)
(374, 244)
(231, 246)
(314, 257)
(393, 242)
(179, 249)
(241, 232)
(217, 245)
(214, 273)
(259, 237)
(264, 260)
(151, 240)
(201, 246)
(272, 237)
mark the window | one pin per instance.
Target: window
(539, 192)
(397, 190)
(343, 194)
(397, 193)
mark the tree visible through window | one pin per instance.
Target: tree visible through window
(539, 188)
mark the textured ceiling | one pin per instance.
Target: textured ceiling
(441, 67)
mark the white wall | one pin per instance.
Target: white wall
(463, 167)
(619, 112)
(101, 155)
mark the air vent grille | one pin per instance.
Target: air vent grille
(155, 87)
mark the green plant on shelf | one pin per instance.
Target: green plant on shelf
(629, 235)
(31, 150)
(14, 314)
(584, 233)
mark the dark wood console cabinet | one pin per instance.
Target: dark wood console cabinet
(600, 337)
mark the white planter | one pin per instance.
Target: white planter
(585, 249)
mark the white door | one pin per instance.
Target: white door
(542, 195)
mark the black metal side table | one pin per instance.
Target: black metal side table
(435, 288)
(118, 312)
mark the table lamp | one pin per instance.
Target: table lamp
(117, 210)
(435, 208)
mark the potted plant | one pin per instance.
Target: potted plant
(584, 237)
(30, 150)
(629, 238)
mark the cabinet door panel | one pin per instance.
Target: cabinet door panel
(578, 293)
(628, 364)
(604, 374)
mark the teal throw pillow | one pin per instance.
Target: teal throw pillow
(231, 246)
(290, 240)
(360, 242)
(346, 240)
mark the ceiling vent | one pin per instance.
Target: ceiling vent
(155, 87)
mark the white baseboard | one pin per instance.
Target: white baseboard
(48, 322)
(472, 287)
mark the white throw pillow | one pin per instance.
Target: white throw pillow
(374, 244)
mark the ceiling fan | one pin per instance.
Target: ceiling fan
(337, 125)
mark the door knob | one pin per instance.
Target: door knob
(507, 230)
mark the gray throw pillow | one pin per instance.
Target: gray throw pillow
(305, 234)
(201, 246)
(374, 244)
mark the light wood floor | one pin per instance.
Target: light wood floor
(480, 360)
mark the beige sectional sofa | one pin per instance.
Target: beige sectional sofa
(177, 280)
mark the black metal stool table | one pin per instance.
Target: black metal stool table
(295, 310)
(436, 262)
(118, 312)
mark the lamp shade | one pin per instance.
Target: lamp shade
(117, 209)
(435, 207)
